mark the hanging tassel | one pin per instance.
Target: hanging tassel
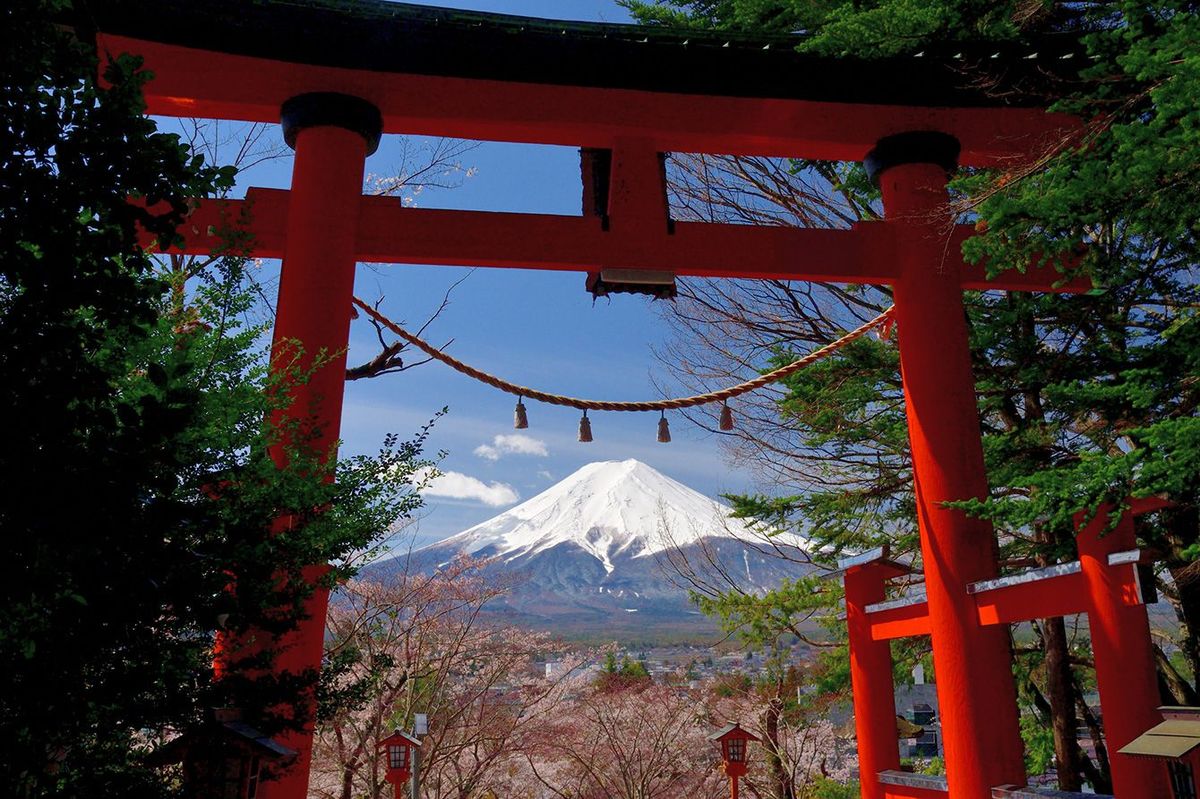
(664, 430)
(520, 420)
(585, 429)
(726, 423)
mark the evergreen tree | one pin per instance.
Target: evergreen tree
(139, 496)
(1084, 400)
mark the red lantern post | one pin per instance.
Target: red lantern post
(398, 748)
(733, 740)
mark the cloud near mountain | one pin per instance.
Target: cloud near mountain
(512, 444)
(456, 485)
(599, 549)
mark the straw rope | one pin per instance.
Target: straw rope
(721, 395)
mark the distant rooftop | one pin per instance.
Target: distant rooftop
(403, 38)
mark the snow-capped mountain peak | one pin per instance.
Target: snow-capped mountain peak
(606, 545)
(607, 508)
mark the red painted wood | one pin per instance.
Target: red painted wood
(389, 233)
(976, 693)
(201, 83)
(261, 219)
(329, 226)
(637, 195)
(696, 249)
(900, 622)
(871, 680)
(313, 312)
(1126, 674)
(1057, 596)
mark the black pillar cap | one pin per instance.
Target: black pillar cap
(331, 108)
(913, 147)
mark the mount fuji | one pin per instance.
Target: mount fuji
(603, 550)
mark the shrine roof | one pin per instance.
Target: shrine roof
(402, 38)
(732, 728)
(1173, 739)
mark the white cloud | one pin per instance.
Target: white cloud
(456, 485)
(513, 444)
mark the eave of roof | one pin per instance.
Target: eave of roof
(730, 728)
(1172, 739)
(402, 38)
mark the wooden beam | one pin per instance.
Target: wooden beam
(201, 83)
(900, 622)
(390, 233)
(1062, 595)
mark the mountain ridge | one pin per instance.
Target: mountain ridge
(597, 550)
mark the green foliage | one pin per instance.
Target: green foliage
(849, 408)
(835, 27)
(825, 788)
(624, 668)
(140, 491)
(1039, 744)
(1084, 399)
(1115, 373)
(760, 621)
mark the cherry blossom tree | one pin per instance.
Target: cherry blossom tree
(631, 739)
(417, 643)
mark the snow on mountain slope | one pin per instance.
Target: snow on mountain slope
(610, 509)
(598, 552)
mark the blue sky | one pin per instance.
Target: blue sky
(536, 328)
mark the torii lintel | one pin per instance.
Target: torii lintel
(390, 233)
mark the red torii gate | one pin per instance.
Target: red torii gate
(341, 73)
(1103, 583)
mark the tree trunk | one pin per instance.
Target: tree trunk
(1101, 775)
(1174, 689)
(1060, 693)
(1057, 673)
(1182, 533)
(779, 773)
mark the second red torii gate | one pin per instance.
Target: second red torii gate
(1104, 583)
(912, 121)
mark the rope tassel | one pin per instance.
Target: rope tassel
(726, 423)
(520, 420)
(664, 430)
(585, 429)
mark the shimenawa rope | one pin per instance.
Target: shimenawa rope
(722, 395)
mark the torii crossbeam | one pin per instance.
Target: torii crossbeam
(342, 72)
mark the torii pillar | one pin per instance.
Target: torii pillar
(871, 673)
(332, 135)
(1126, 674)
(977, 695)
